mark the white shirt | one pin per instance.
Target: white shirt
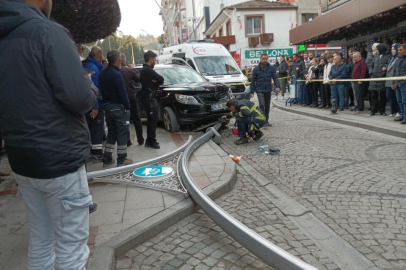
(327, 69)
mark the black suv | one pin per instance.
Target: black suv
(186, 100)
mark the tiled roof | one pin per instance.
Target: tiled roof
(253, 4)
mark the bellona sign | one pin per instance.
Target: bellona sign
(254, 54)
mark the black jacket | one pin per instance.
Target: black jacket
(299, 74)
(131, 77)
(262, 78)
(283, 67)
(400, 70)
(44, 92)
(148, 86)
(380, 61)
(111, 84)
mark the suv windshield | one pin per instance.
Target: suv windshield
(180, 75)
(216, 65)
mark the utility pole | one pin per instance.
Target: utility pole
(194, 19)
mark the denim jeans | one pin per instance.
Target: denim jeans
(338, 93)
(391, 97)
(58, 215)
(401, 98)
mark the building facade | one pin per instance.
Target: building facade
(191, 18)
(252, 28)
(354, 23)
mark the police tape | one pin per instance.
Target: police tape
(400, 78)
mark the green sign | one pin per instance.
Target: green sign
(301, 48)
(250, 54)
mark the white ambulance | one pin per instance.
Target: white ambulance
(213, 61)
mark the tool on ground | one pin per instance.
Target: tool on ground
(273, 151)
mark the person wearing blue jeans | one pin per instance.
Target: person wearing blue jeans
(337, 88)
(400, 86)
(45, 93)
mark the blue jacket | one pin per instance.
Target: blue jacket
(338, 72)
(261, 79)
(347, 75)
(97, 67)
(112, 87)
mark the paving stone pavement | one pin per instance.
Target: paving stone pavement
(197, 243)
(351, 179)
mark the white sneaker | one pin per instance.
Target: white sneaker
(397, 115)
(282, 98)
(276, 98)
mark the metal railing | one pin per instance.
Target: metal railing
(269, 253)
(134, 166)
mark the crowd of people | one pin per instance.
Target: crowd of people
(319, 80)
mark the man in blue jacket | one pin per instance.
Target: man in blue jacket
(261, 83)
(95, 117)
(338, 71)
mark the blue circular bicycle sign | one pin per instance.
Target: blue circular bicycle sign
(154, 173)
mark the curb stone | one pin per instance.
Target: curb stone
(104, 255)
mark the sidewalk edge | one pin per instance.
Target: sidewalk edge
(104, 255)
(344, 122)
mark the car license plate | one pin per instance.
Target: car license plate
(217, 107)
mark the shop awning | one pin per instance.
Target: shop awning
(351, 20)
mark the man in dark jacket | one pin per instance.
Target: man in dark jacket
(338, 72)
(378, 68)
(249, 119)
(298, 69)
(262, 84)
(44, 93)
(282, 72)
(359, 72)
(150, 81)
(400, 86)
(117, 108)
(131, 78)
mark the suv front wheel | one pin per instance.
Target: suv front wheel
(170, 122)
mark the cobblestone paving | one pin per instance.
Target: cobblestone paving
(197, 243)
(351, 179)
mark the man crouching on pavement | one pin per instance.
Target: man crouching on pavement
(249, 119)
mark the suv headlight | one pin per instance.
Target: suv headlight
(184, 99)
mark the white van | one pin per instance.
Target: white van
(211, 60)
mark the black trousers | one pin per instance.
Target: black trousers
(378, 101)
(265, 103)
(135, 117)
(327, 91)
(151, 108)
(314, 87)
(96, 128)
(323, 101)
